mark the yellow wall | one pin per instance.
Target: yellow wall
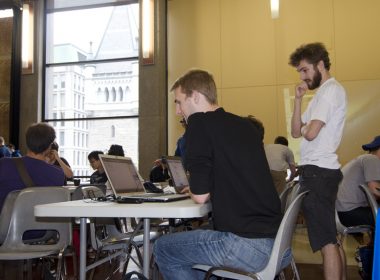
(247, 52)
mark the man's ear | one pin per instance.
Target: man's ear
(196, 96)
(321, 66)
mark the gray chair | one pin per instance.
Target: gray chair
(371, 200)
(109, 236)
(282, 244)
(18, 217)
(287, 196)
(344, 231)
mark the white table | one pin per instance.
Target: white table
(177, 209)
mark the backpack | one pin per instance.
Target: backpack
(364, 257)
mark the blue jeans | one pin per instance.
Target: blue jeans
(175, 254)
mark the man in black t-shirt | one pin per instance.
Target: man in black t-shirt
(99, 176)
(226, 161)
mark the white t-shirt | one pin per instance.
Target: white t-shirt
(329, 105)
(279, 157)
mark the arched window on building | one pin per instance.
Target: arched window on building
(107, 94)
(113, 94)
(113, 131)
(121, 97)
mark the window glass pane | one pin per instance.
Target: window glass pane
(99, 96)
(91, 76)
(92, 34)
(98, 137)
(61, 4)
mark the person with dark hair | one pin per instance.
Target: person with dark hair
(14, 152)
(116, 150)
(99, 176)
(280, 158)
(351, 203)
(54, 158)
(39, 138)
(4, 151)
(181, 142)
(226, 161)
(321, 127)
(159, 171)
(281, 140)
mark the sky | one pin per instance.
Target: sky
(80, 27)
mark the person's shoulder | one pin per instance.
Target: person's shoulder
(4, 151)
(37, 164)
(332, 88)
(65, 161)
(369, 158)
(270, 146)
(6, 161)
(95, 173)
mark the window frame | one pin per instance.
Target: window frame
(46, 66)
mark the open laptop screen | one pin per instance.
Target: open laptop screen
(177, 172)
(121, 174)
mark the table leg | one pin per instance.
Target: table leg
(83, 248)
(146, 246)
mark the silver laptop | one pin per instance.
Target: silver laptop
(177, 172)
(125, 181)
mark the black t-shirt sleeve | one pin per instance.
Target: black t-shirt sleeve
(198, 155)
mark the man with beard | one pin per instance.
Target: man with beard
(321, 127)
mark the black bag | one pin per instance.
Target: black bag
(364, 257)
(139, 275)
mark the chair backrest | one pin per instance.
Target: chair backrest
(371, 200)
(284, 196)
(294, 191)
(288, 194)
(283, 240)
(22, 219)
(6, 214)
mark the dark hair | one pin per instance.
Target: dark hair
(312, 53)
(54, 146)
(258, 124)
(39, 137)
(371, 150)
(116, 150)
(281, 140)
(198, 80)
(94, 155)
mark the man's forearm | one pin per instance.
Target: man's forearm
(296, 118)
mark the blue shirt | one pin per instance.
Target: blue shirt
(41, 173)
(5, 152)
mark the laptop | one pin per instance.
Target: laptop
(126, 183)
(177, 172)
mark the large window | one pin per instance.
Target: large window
(91, 77)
